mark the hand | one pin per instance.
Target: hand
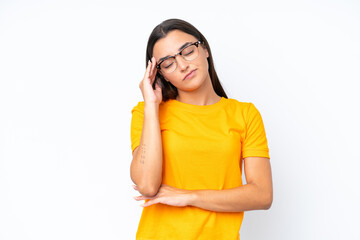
(149, 94)
(167, 195)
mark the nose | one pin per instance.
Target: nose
(182, 63)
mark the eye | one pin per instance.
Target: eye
(168, 65)
(188, 53)
(188, 50)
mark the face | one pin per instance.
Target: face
(169, 46)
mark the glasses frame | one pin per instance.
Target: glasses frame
(179, 53)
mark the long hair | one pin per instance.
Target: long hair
(169, 91)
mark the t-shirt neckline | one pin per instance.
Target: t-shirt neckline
(193, 107)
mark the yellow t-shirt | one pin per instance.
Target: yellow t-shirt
(202, 149)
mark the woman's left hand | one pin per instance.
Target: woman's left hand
(167, 195)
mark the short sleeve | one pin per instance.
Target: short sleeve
(255, 142)
(137, 120)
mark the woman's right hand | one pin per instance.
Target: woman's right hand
(149, 94)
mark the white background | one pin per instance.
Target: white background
(69, 74)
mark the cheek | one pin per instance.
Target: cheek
(203, 63)
(169, 79)
(206, 64)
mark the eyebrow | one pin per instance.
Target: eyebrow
(180, 48)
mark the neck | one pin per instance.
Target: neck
(204, 95)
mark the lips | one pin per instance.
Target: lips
(190, 74)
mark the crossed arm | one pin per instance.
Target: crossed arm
(257, 193)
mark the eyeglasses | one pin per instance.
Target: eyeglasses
(189, 53)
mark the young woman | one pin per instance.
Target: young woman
(189, 140)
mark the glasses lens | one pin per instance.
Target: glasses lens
(168, 66)
(190, 53)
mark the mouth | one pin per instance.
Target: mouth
(190, 74)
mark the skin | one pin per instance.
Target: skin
(198, 90)
(146, 165)
(257, 193)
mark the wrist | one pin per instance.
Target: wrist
(192, 196)
(151, 107)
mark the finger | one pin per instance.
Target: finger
(139, 198)
(147, 72)
(153, 67)
(152, 79)
(153, 60)
(150, 66)
(135, 187)
(149, 203)
(157, 87)
(153, 73)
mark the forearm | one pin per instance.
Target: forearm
(239, 199)
(146, 167)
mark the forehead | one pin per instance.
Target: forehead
(170, 44)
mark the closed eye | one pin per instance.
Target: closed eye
(189, 53)
(168, 65)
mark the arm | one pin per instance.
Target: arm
(256, 194)
(146, 165)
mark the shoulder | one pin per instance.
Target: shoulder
(141, 105)
(138, 107)
(235, 102)
(246, 110)
(238, 105)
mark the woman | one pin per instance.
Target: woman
(189, 140)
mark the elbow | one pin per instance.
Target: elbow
(267, 201)
(148, 191)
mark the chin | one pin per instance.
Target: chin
(191, 85)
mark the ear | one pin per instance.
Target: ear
(206, 52)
